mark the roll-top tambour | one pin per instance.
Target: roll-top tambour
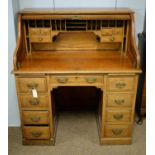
(26, 85)
(35, 117)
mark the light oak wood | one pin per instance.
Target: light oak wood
(26, 85)
(32, 132)
(118, 115)
(28, 102)
(121, 83)
(35, 117)
(119, 99)
(84, 47)
(117, 131)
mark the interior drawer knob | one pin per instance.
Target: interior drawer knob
(111, 38)
(40, 39)
(35, 119)
(32, 85)
(117, 131)
(62, 80)
(91, 80)
(119, 102)
(118, 116)
(120, 85)
(34, 101)
(36, 134)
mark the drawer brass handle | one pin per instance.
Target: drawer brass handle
(111, 38)
(117, 131)
(119, 102)
(35, 119)
(120, 85)
(34, 101)
(36, 134)
(118, 116)
(62, 80)
(91, 80)
(40, 39)
(32, 85)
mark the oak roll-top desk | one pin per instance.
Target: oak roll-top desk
(94, 48)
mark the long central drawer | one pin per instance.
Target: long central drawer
(76, 80)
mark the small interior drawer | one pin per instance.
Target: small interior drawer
(35, 117)
(113, 38)
(79, 80)
(41, 39)
(28, 102)
(26, 85)
(118, 115)
(32, 132)
(39, 31)
(106, 31)
(119, 100)
(118, 31)
(120, 83)
(115, 131)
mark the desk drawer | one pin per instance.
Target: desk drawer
(41, 39)
(25, 85)
(118, 115)
(36, 132)
(112, 131)
(113, 38)
(39, 31)
(120, 83)
(106, 31)
(35, 117)
(119, 100)
(30, 103)
(80, 80)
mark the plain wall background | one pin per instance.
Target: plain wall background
(15, 5)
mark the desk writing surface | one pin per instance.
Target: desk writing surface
(76, 61)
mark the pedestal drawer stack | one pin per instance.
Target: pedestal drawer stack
(34, 111)
(119, 108)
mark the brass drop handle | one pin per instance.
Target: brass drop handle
(119, 102)
(32, 85)
(36, 134)
(62, 80)
(118, 116)
(112, 38)
(40, 39)
(117, 131)
(120, 85)
(35, 119)
(91, 80)
(34, 101)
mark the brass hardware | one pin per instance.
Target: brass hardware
(119, 102)
(36, 134)
(35, 119)
(117, 131)
(62, 80)
(76, 18)
(91, 80)
(112, 38)
(40, 39)
(34, 101)
(120, 85)
(32, 85)
(118, 116)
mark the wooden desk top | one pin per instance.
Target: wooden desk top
(76, 62)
